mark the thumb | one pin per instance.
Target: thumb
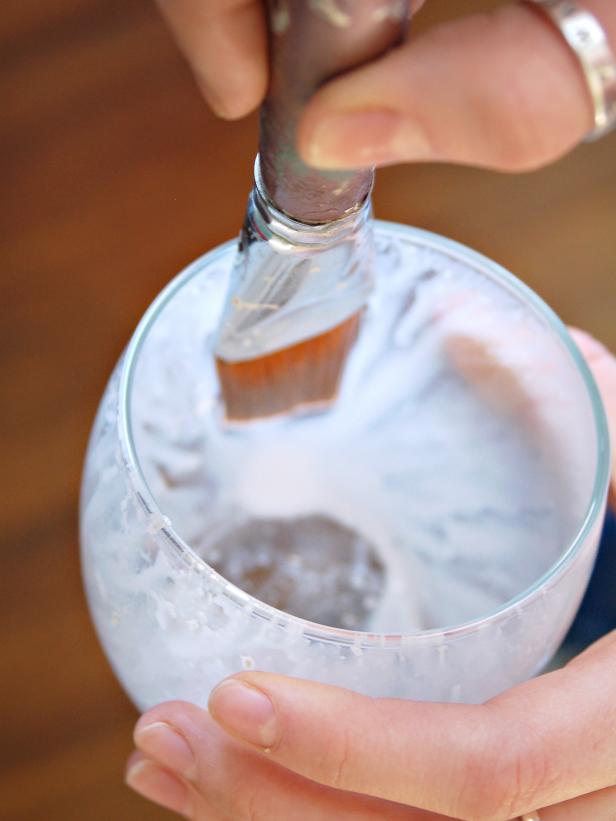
(500, 90)
(544, 741)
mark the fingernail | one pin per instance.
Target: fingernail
(246, 712)
(166, 746)
(360, 138)
(152, 782)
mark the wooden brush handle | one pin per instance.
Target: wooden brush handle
(311, 41)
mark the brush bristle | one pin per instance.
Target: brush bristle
(302, 375)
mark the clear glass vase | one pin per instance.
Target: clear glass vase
(429, 537)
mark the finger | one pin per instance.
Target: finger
(225, 43)
(156, 784)
(232, 782)
(545, 741)
(602, 363)
(599, 806)
(500, 90)
(607, 644)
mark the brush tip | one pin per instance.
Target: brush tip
(303, 376)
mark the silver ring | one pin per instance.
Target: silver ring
(587, 39)
(530, 816)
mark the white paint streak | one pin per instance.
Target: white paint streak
(330, 10)
(280, 17)
(395, 11)
(241, 305)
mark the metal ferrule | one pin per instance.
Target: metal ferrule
(278, 227)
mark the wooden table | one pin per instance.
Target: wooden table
(110, 164)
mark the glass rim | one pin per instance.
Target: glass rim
(482, 264)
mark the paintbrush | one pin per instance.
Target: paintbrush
(303, 271)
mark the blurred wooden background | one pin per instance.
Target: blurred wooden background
(114, 175)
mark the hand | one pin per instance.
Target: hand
(338, 755)
(278, 749)
(499, 90)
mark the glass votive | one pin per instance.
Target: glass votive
(428, 537)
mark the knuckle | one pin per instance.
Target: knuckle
(480, 797)
(241, 803)
(249, 806)
(516, 155)
(340, 761)
(502, 783)
(532, 774)
(524, 144)
(340, 764)
(253, 808)
(517, 137)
